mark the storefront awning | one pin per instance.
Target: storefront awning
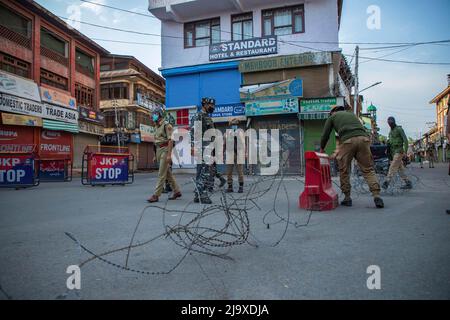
(58, 125)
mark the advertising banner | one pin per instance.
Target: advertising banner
(59, 98)
(16, 170)
(16, 139)
(55, 144)
(108, 168)
(18, 120)
(14, 104)
(61, 114)
(147, 133)
(320, 104)
(19, 87)
(91, 115)
(243, 48)
(261, 108)
(52, 170)
(278, 90)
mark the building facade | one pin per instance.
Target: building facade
(272, 65)
(61, 66)
(129, 90)
(438, 136)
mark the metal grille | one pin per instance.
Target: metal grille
(15, 37)
(54, 56)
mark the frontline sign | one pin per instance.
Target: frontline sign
(243, 48)
(16, 170)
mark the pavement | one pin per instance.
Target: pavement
(408, 240)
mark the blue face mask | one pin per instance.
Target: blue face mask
(155, 117)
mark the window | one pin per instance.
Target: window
(14, 65)
(54, 80)
(183, 117)
(114, 91)
(283, 21)
(84, 63)
(50, 41)
(84, 96)
(15, 22)
(105, 67)
(202, 33)
(121, 65)
(242, 26)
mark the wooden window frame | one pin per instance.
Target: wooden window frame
(234, 16)
(85, 96)
(54, 80)
(16, 64)
(293, 15)
(191, 26)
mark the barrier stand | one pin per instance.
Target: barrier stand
(107, 165)
(55, 170)
(319, 194)
(19, 167)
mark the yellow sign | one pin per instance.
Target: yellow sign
(18, 120)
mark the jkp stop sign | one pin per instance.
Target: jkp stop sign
(16, 170)
(108, 168)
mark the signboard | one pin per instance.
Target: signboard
(285, 62)
(135, 138)
(91, 115)
(266, 107)
(111, 139)
(147, 103)
(18, 120)
(147, 133)
(16, 139)
(91, 128)
(229, 111)
(16, 170)
(19, 105)
(243, 48)
(108, 168)
(60, 114)
(59, 98)
(19, 87)
(278, 90)
(52, 170)
(320, 104)
(55, 144)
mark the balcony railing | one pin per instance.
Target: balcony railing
(54, 56)
(15, 37)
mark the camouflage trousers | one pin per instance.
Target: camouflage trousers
(203, 178)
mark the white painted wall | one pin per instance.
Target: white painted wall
(321, 25)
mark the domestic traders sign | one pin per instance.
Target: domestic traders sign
(266, 107)
(243, 48)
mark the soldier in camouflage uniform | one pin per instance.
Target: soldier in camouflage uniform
(204, 170)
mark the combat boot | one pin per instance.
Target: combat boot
(222, 182)
(241, 188)
(378, 202)
(385, 184)
(230, 188)
(204, 199)
(347, 202)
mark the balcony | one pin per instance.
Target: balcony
(185, 10)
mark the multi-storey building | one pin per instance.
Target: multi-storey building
(438, 137)
(61, 67)
(129, 90)
(272, 64)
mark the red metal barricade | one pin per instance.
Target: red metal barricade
(319, 194)
(107, 165)
(19, 166)
(55, 170)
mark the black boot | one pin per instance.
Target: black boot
(230, 188)
(204, 199)
(222, 182)
(347, 202)
(378, 202)
(241, 188)
(385, 184)
(407, 185)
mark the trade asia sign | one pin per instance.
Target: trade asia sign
(268, 107)
(108, 168)
(16, 170)
(243, 48)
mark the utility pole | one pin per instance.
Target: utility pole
(355, 101)
(116, 122)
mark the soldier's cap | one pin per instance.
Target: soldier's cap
(336, 108)
(233, 121)
(208, 101)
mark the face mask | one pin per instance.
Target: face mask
(211, 109)
(155, 117)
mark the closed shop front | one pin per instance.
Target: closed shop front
(80, 142)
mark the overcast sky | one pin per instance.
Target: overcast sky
(405, 91)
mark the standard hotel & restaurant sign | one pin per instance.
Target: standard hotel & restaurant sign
(243, 48)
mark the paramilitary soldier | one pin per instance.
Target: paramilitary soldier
(164, 146)
(204, 169)
(354, 143)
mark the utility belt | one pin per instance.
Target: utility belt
(162, 145)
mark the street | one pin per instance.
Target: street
(326, 258)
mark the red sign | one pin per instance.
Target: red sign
(16, 139)
(105, 168)
(16, 170)
(55, 144)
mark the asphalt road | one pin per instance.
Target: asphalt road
(409, 241)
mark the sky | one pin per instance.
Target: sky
(405, 91)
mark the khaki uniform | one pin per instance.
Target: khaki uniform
(239, 167)
(399, 146)
(161, 141)
(358, 148)
(397, 166)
